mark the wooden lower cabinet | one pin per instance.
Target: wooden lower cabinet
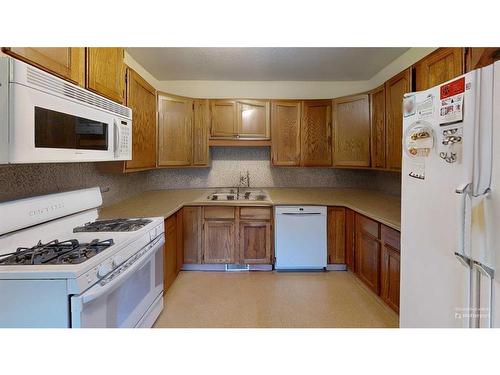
(336, 239)
(219, 241)
(170, 254)
(350, 240)
(255, 242)
(390, 267)
(368, 252)
(192, 234)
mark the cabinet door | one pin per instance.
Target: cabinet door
(253, 117)
(395, 88)
(219, 241)
(141, 98)
(285, 128)
(438, 67)
(170, 258)
(336, 239)
(368, 253)
(377, 123)
(350, 239)
(255, 242)
(192, 234)
(224, 122)
(106, 72)
(200, 132)
(351, 131)
(479, 57)
(180, 240)
(390, 268)
(66, 62)
(175, 131)
(316, 139)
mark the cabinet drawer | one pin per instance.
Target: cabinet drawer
(391, 237)
(218, 212)
(367, 225)
(255, 213)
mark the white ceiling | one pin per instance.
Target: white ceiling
(264, 64)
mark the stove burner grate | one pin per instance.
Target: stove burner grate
(113, 225)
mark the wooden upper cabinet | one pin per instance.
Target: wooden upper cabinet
(351, 135)
(336, 239)
(224, 123)
(106, 72)
(438, 67)
(253, 118)
(175, 130)
(65, 62)
(285, 130)
(377, 124)
(200, 132)
(395, 88)
(316, 136)
(192, 234)
(479, 57)
(141, 98)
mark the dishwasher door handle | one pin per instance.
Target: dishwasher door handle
(301, 213)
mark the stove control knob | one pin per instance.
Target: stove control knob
(104, 269)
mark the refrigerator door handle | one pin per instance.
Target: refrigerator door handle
(490, 274)
(464, 192)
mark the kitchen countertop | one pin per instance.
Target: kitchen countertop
(376, 205)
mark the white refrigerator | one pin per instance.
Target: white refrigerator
(450, 224)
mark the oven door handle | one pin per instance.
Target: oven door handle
(104, 286)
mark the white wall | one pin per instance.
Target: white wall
(279, 89)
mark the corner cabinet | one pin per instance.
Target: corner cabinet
(316, 133)
(192, 234)
(395, 88)
(377, 125)
(285, 130)
(106, 72)
(175, 130)
(438, 67)
(141, 98)
(351, 137)
(66, 62)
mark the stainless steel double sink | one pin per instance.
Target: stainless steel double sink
(238, 194)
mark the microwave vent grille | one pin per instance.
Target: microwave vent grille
(57, 86)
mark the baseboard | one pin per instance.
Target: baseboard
(336, 267)
(222, 267)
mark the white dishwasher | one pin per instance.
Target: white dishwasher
(300, 237)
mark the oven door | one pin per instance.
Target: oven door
(48, 128)
(122, 298)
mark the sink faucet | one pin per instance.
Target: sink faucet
(244, 180)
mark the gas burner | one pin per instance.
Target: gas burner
(55, 252)
(113, 225)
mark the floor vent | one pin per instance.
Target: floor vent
(237, 267)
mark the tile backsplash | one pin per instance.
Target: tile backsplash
(18, 181)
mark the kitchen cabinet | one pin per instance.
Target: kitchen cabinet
(106, 72)
(390, 267)
(224, 123)
(253, 119)
(336, 239)
(350, 239)
(316, 133)
(438, 67)
(285, 130)
(479, 57)
(170, 254)
(351, 131)
(192, 225)
(255, 235)
(141, 98)
(175, 130)
(65, 62)
(200, 132)
(395, 88)
(368, 252)
(377, 125)
(219, 241)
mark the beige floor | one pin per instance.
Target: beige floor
(270, 299)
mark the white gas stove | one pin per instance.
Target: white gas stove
(62, 267)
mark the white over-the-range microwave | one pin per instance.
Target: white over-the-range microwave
(44, 119)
